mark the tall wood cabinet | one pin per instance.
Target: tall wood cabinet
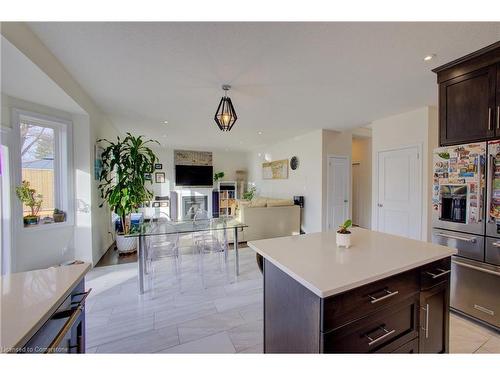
(469, 97)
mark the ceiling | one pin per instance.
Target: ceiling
(21, 78)
(287, 78)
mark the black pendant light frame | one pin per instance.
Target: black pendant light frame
(225, 116)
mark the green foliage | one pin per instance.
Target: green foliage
(218, 176)
(250, 193)
(122, 181)
(29, 197)
(344, 227)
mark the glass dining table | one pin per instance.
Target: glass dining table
(159, 228)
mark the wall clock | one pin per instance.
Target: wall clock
(294, 163)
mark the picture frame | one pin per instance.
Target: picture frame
(156, 204)
(160, 177)
(148, 177)
(164, 204)
(158, 166)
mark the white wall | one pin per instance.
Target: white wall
(98, 124)
(309, 180)
(306, 180)
(362, 154)
(417, 127)
(47, 245)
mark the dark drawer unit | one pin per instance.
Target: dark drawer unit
(356, 303)
(404, 313)
(395, 325)
(64, 331)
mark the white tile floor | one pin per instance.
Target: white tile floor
(222, 318)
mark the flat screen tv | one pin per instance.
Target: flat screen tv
(194, 175)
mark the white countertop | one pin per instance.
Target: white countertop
(29, 298)
(315, 261)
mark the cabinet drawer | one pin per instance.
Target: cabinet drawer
(408, 348)
(435, 273)
(387, 329)
(354, 304)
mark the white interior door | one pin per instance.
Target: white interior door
(399, 208)
(338, 191)
(355, 194)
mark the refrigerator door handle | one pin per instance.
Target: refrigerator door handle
(489, 188)
(495, 244)
(460, 238)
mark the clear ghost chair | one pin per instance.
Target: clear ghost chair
(209, 243)
(162, 248)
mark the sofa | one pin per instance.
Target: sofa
(268, 218)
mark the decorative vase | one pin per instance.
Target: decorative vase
(125, 244)
(59, 218)
(344, 240)
(31, 220)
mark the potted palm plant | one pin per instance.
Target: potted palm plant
(344, 235)
(31, 199)
(125, 163)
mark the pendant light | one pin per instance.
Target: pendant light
(225, 117)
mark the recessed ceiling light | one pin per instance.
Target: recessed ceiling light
(429, 57)
(165, 122)
(259, 133)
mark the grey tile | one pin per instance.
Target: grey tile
(492, 345)
(219, 343)
(208, 325)
(145, 342)
(247, 335)
(183, 314)
(464, 338)
(235, 301)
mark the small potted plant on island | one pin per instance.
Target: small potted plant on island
(31, 199)
(125, 165)
(344, 235)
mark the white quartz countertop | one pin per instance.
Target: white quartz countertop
(29, 298)
(315, 261)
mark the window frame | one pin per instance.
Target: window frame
(63, 165)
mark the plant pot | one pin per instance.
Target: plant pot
(344, 240)
(31, 220)
(125, 245)
(59, 218)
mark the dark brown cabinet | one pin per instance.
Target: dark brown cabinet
(434, 319)
(404, 313)
(469, 97)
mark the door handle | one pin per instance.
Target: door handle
(380, 205)
(484, 310)
(426, 329)
(387, 295)
(436, 275)
(498, 116)
(489, 118)
(460, 238)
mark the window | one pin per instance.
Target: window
(43, 162)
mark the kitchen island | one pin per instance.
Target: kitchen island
(43, 311)
(384, 294)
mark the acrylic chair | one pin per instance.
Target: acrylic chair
(162, 248)
(209, 243)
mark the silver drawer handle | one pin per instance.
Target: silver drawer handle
(388, 295)
(484, 309)
(495, 244)
(386, 334)
(471, 239)
(485, 270)
(436, 275)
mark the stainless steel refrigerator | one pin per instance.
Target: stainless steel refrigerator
(466, 215)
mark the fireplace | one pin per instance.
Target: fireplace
(191, 204)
